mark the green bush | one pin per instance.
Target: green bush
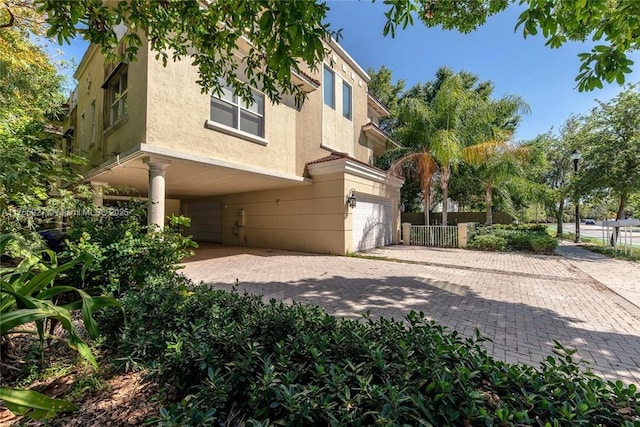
(543, 243)
(122, 248)
(234, 359)
(526, 238)
(536, 228)
(488, 242)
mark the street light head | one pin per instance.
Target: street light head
(575, 156)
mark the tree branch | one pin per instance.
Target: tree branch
(11, 20)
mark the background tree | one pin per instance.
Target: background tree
(559, 167)
(610, 146)
(386, 91)
(32, 164)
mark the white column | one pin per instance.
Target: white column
(98, 193)
(406, 233)
(157, 169)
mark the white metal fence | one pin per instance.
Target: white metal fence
(443, 236)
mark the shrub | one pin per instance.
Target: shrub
(122, 248)
(488, 242)
(526, 237)
(234, 359)
(543, 244)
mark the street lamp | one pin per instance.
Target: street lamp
(575, 156)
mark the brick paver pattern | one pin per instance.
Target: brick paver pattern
(521, 302)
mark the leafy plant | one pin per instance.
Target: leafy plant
(232, 358)
(488, 242)
(122, 250)
(525, 237)
(27, 294)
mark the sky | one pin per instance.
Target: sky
(543, 77)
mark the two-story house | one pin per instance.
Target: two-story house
(262, 175)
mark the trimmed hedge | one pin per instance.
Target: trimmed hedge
(526, 238)
(233, 359)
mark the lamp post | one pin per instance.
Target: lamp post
(575, 156)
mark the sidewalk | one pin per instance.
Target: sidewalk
(620, 276)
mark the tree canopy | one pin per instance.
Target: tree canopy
(614, 25)
(31, 160)
(285, 36)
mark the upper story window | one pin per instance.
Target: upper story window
(329, 88)
(231, 111)
(93, 124)
(117, 97)
(346, 100)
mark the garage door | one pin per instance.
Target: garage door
(372, 220)
(206, 220)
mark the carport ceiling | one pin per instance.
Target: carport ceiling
(188, 179)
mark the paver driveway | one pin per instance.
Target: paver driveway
(521, 302)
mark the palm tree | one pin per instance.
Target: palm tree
(430, 133)
(495, 166)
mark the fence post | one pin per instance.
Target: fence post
(406, 233)
(462, 234)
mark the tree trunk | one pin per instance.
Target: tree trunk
(619, 216)
(444, 184)
(426, 196)
(559, 218)
(487, 200)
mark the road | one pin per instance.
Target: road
(596, 231)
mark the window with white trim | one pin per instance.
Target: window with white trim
(93, 124)
(346, 100)
(329, 87)
(117, 91)
(230, 110)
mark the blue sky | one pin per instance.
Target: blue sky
(542, 76)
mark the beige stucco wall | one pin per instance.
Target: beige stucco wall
(177, 112)
(307, 218)
(311, 218)
(126, 133)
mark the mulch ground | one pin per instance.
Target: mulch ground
(104, 399)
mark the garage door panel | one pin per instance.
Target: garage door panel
(206, 220)
(371, 223)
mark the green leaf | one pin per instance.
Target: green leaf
(35, 405)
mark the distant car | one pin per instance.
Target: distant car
(590, 222)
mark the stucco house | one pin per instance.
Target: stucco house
(265, 175)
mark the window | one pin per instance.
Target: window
(329, 91)
(346, 100)
(231, 111)
(93, 124)
(82, 133)
(117, 91)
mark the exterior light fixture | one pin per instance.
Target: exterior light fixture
(575, 156)
(351, 198)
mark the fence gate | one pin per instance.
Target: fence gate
(442, 236)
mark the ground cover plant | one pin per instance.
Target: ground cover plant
(30, 295)
(233, 359)
(525, 237)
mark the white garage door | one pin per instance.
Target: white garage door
(371, 223)
(206, 220)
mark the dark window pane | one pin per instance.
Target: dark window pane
(346, 100)
(257, 106)
(329, 92)
(251, 123)
(223, 113)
